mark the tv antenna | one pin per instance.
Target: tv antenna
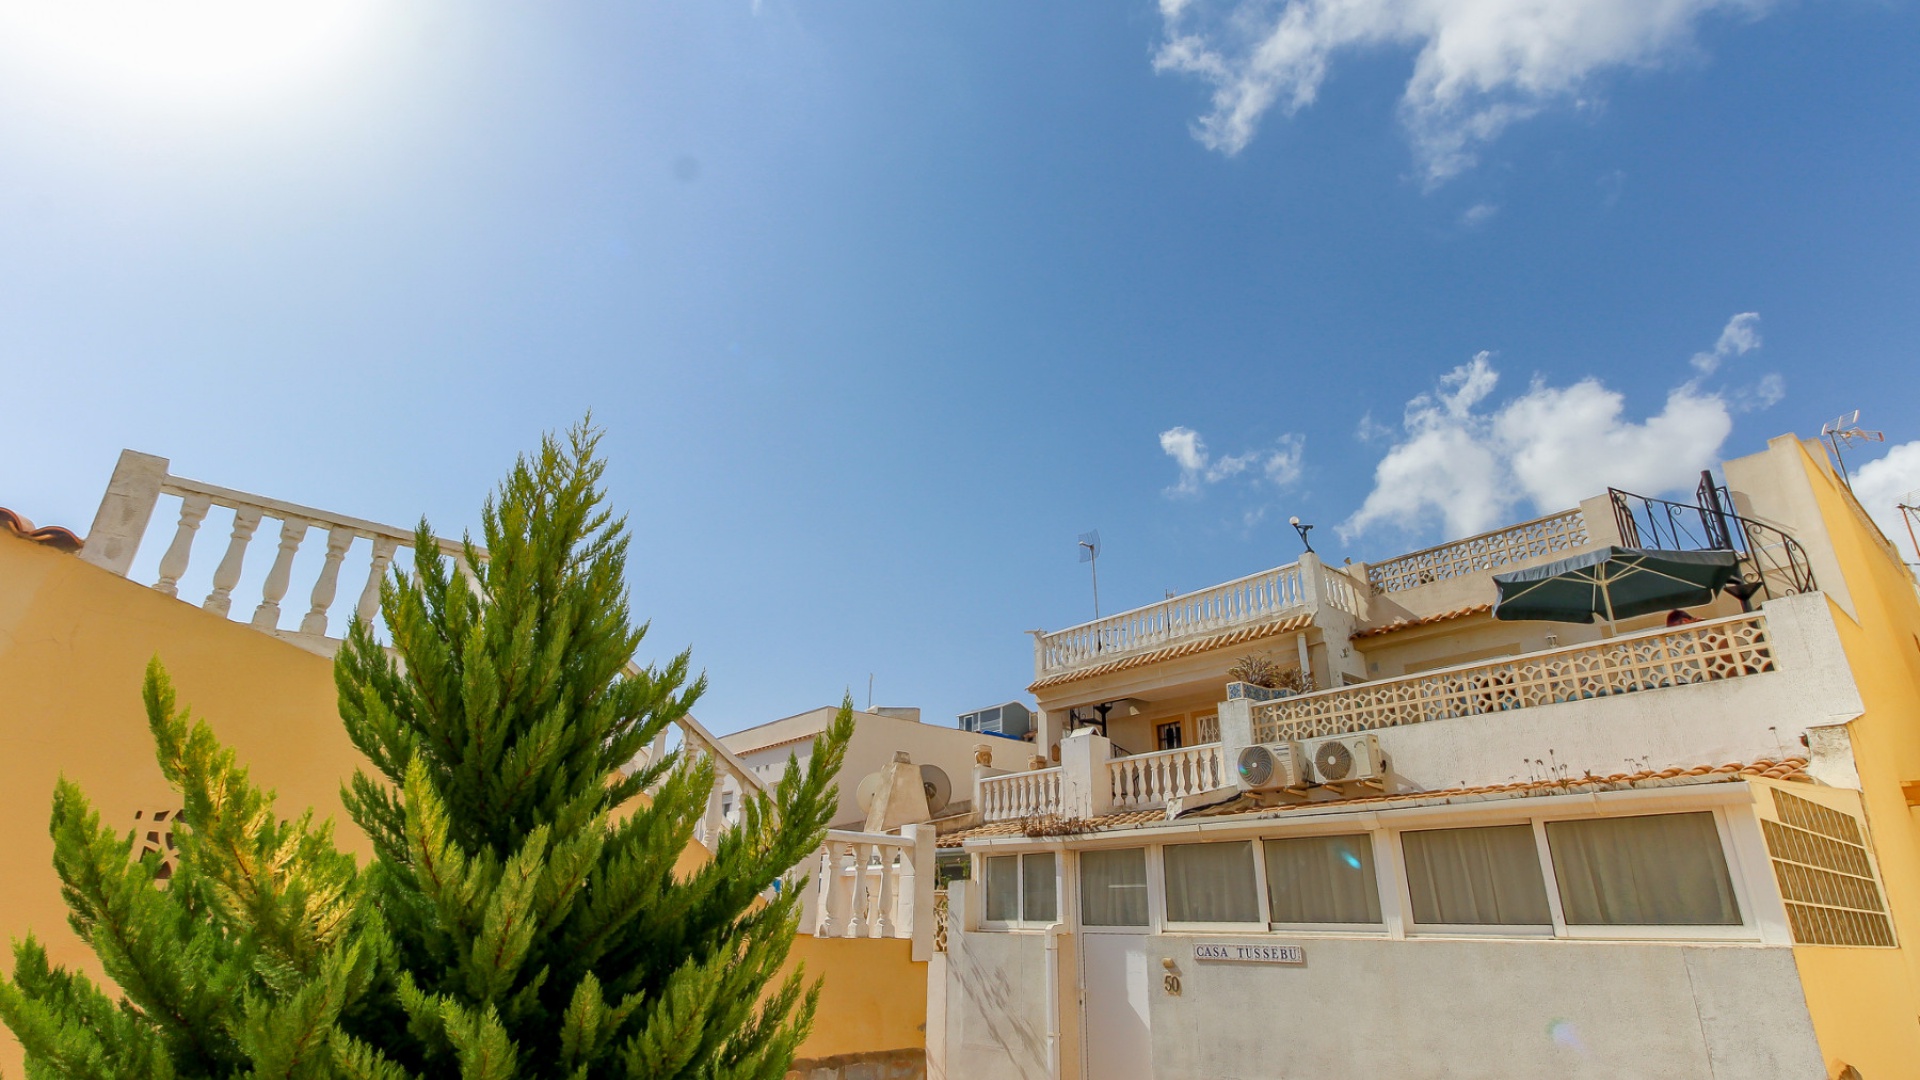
(1090, 554)
(1909, 507)
(1845, 430)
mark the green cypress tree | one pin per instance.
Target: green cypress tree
(523, 916)
(242, 962)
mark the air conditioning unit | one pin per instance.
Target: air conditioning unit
(1272, 767)
(1347, 759)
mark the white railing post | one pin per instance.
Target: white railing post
(125, 510)
(883, 923)
(1085, 780)
(267, 615)
(369, 603)
(227, 574)
(827, 871)
(193, 510)
(857, 895)
(339, 539)
(922, 923)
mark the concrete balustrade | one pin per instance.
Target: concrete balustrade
(126, 513)
(873, 885)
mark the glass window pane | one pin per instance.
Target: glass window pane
(1003, 888)
(1211, 883)
(1656, 870)
(1322, 879)
(1036, 887)
(1113, 887)
(1476, 877)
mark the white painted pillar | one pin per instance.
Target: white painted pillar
(1046, 732)
(1236, 729)
(1086, 788)
(919, 891)
(125, 510)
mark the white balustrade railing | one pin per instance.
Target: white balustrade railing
(1554, 534)
(133, 494)
(873, 885)
(1019, 795)
(1255, 598)
(1337, 590)
(1728, 648)
(1150, 781)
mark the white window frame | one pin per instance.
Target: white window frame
(1157, 873)
(1404, 891)
(1156, 902)
(1383, 928)
(1019, 858)
(1749, 929)
(1763, 918)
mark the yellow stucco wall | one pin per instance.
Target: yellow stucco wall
(873, 996)
(1865, 1003)
(74, 643)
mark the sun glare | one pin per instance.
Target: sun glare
(200, 50)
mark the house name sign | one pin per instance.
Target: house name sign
(1251, 954)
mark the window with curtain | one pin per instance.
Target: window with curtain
(1476, 877)
(1652, 870)
(1037, 902)
(1003, 888)
(1211, 883)
(1113, 887)
(1322, 879)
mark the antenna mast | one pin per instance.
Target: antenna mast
(1844, 430)
(1090, 554)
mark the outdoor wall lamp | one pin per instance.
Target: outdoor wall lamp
(1303, 530)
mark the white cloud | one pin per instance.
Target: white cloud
(1739, 337)
(1279, 465)
(1480, 65)
(1478, 214)
(1883, 483)
(1468, 467)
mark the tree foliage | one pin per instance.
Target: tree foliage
(530, 910)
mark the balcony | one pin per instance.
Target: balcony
(1093, 779)
(1553, 536)
(1728, 648)
(1269, 597)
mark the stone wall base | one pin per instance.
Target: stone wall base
(877, 1065)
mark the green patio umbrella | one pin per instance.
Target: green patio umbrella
(1613, 583)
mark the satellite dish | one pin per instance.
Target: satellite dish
(939, 789)
(869, 788)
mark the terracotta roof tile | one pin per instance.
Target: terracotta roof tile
(1173, 652)
(1424, 620)
(1787, 769)
(52, 536)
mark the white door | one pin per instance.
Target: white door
(1113, 981)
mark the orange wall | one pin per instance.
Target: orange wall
(1865, 1003)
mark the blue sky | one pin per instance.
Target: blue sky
(882, 304)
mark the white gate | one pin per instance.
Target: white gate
(1114, 982)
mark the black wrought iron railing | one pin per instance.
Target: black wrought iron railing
(1772, 562)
